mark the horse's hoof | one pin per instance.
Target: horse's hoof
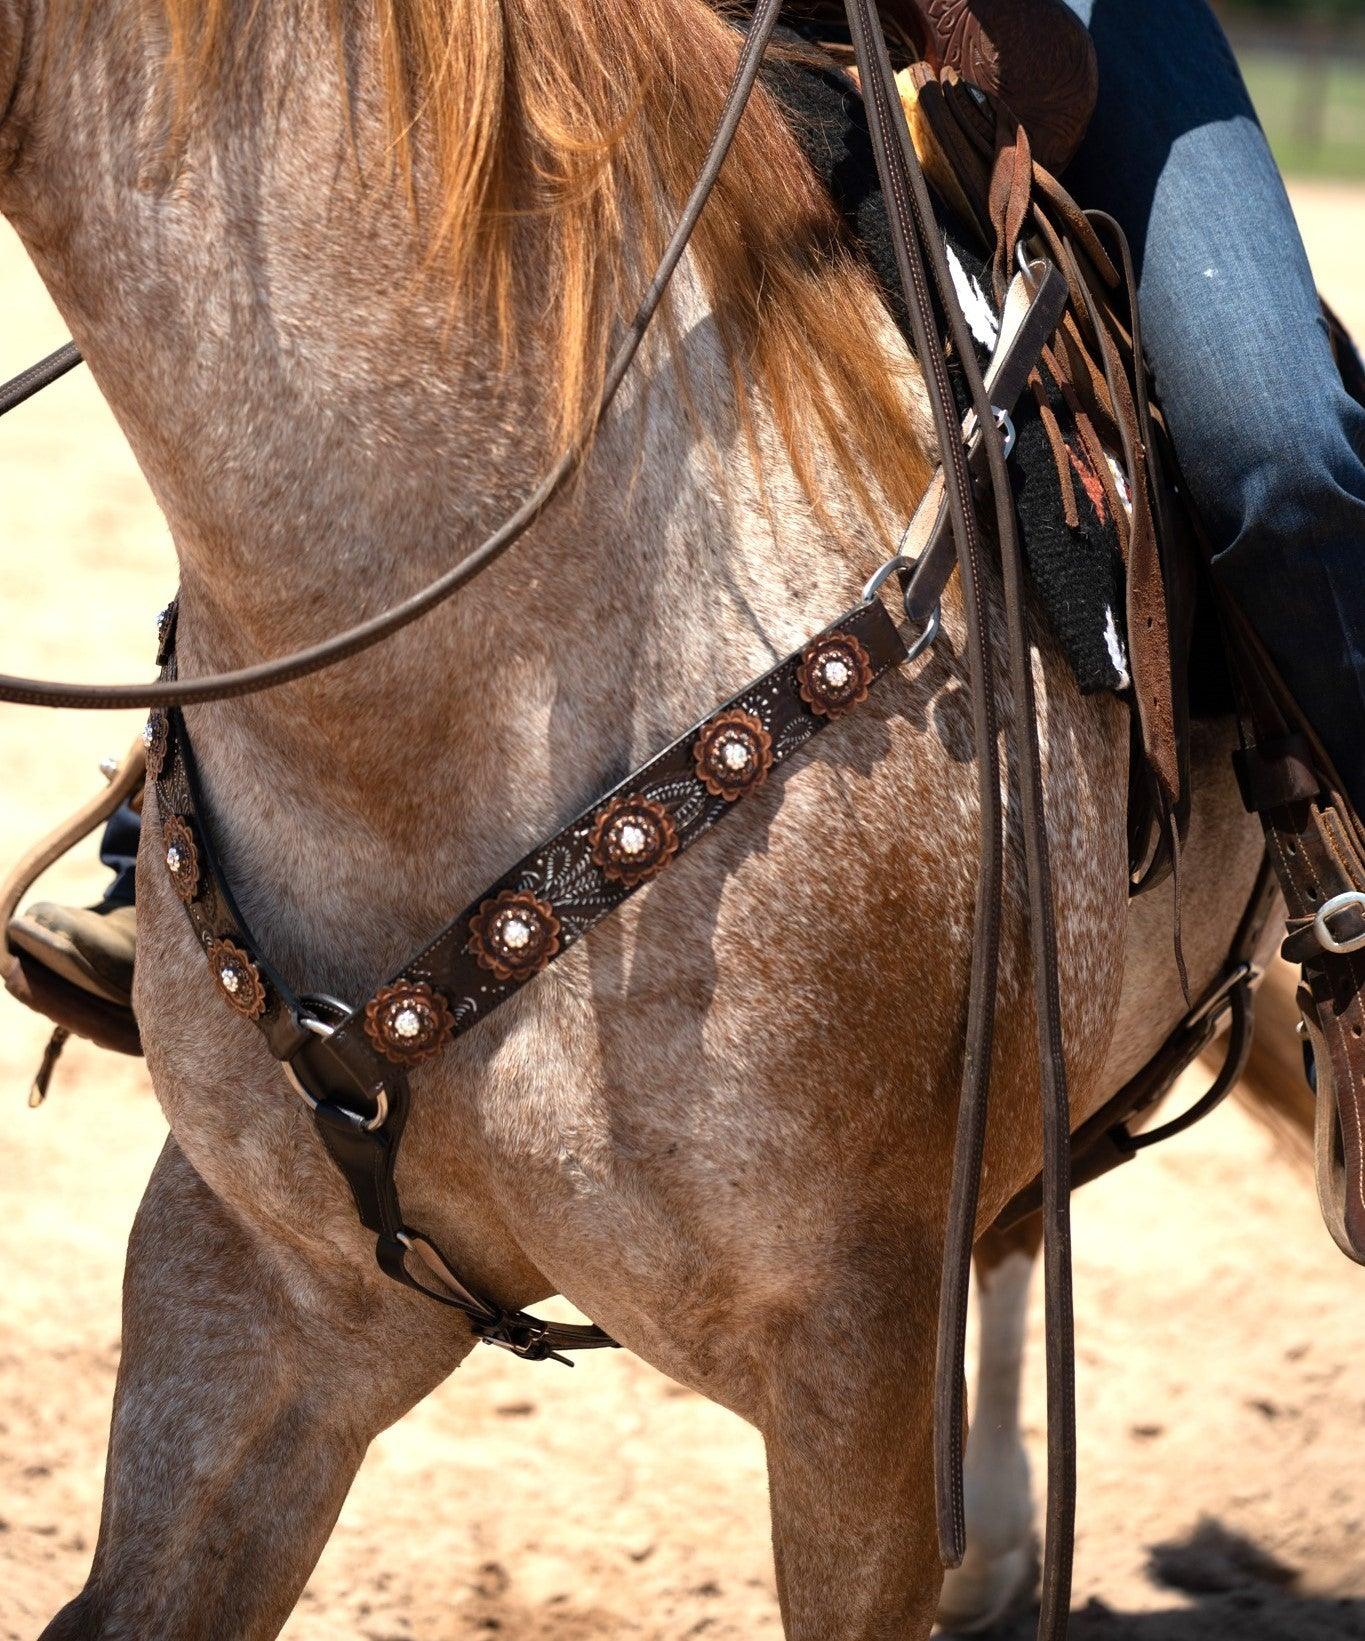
(986, 1591)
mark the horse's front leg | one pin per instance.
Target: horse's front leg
(248, 1392)
(850, 1469)
(999, 1573)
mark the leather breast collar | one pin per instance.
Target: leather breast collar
(350, 1064)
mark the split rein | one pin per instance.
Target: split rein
(351, 1065)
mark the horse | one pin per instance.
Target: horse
(348, 277)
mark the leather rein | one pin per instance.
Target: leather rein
(351, 1065)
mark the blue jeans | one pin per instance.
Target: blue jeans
(118, 851)
(1272, 446)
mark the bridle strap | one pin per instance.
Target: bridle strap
(33, 380)
(366, 634)
(917, 243)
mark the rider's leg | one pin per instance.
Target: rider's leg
(118, 851)
(1272, 447)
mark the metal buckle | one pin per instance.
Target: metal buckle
(1353, 899)
(879, 578)
(1004, 424)
(1220, 996)
(524, 1336)
(322, 1029)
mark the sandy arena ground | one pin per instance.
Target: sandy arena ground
(1222, 1410)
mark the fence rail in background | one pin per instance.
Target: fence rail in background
(1307, 81)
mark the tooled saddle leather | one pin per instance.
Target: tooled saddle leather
(1033, 56)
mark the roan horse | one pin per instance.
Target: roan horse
(348, 276)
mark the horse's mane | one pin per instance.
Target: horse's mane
(584, 123)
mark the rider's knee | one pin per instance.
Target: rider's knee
(1292, 473)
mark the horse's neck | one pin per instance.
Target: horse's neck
(322, 445)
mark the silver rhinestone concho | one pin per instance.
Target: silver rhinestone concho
(516, 934)
(408, 1023)
(632, 840)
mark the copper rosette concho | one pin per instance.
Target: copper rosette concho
(514, 935)
(181, 854)
(409, 1022)
(156, 740)
(633, 839)
(733, 754)
(238, 978)
(835, 674)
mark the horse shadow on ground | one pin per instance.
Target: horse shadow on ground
(1237, 1592)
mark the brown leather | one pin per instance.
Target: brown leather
(1098, 365)
(27, 979)
(563, 888)
(925, 275)
(108, 1025)
(1034, 57)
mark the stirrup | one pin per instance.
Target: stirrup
(72, 1009)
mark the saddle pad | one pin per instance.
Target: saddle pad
(1076, 570)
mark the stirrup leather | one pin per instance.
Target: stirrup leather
(1317, 846)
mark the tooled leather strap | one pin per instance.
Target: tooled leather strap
(351, 1065)
(359, 1102)
(551, 898)
(1316, 847)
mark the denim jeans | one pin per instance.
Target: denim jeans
(1272, 446)
(118, 851)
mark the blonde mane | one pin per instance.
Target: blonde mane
(578, 127)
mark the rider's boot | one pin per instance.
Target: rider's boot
(91, 947)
